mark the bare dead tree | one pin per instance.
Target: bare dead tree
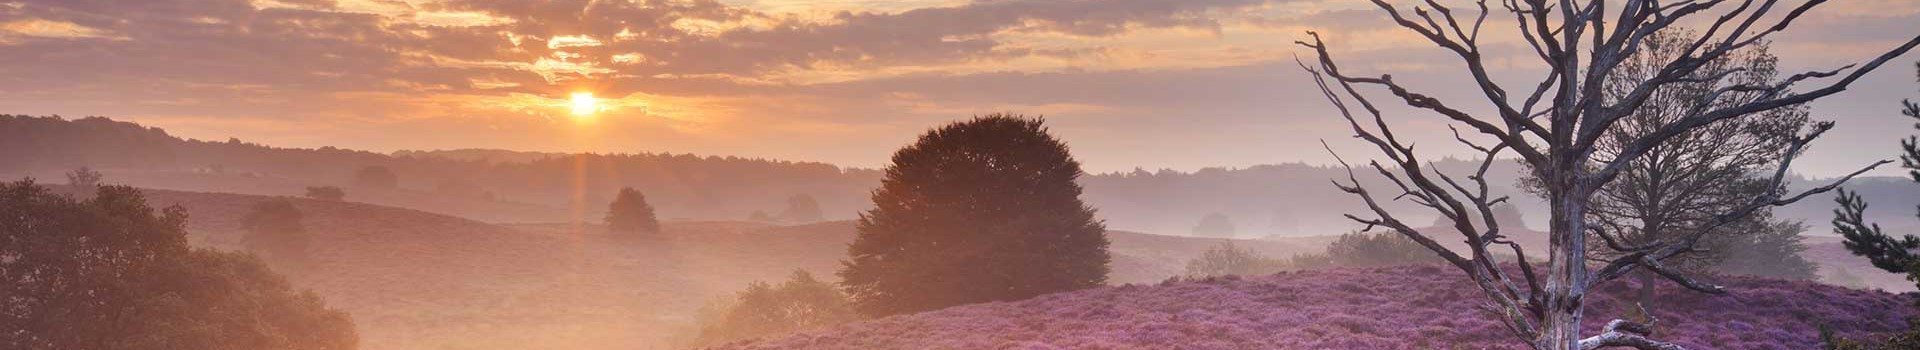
(1554, 129)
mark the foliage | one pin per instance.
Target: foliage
(1227, 259)
(326, 193)
(982, 210)
(1361, 249)
(801, 303)
(801, 209)
(111, 273)
(274, 232)
(1214, 225)
(84, 178)
(376, 176)
(1767, 247)
(1883, 250)
(1867, 239)
(630, 213)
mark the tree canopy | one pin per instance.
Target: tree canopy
(110, 272)
(982, 210)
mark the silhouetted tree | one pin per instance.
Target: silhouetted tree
(802, 302)
(1554, 125)
(111, 273)
(982, 210)
(275, 233)
(1214, 225)
(376, 176)
(630, 213)
(801, 209)
(326, 193)
(84, 178)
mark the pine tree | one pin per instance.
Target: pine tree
(982, 210)
(630, 213)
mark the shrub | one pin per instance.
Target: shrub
(1361, 249)
(1227, 259)
(326, 193)
(802, 302)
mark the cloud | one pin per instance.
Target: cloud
(842, 80)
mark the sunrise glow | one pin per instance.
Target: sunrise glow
(584, 104)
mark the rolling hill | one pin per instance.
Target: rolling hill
(1412, 307)
(419, 280)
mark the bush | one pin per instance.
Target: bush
(1227, 259)
(802, 302)
(326, 193)
(1361, 249)
(84, 178)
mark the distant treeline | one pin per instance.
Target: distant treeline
(1282, 199)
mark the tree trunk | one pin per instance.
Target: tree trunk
(1646, 288)
(1566, 285)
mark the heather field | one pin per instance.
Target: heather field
(1414, 307)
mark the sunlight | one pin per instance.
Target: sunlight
(584, 104)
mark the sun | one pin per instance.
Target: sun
(584, 104)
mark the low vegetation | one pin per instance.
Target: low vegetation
(1405, 307)
(803, 302)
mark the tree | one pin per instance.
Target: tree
(111, 273)
(275, 233)
(1893, 254)
(1681, 185)
(376, 176)
(1214, 225)
(1553, 126)
(326, 193)
(801, 209)
(802, 302)
(84, 178)
(630, 213)
(759, 216)
(1766, 247)
(1867, 239)
(982, 210)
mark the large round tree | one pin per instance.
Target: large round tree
(975, 211)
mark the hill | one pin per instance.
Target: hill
(1425, 307)
(513, 186)
(420, 280)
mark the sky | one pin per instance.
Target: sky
(1179, 84)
